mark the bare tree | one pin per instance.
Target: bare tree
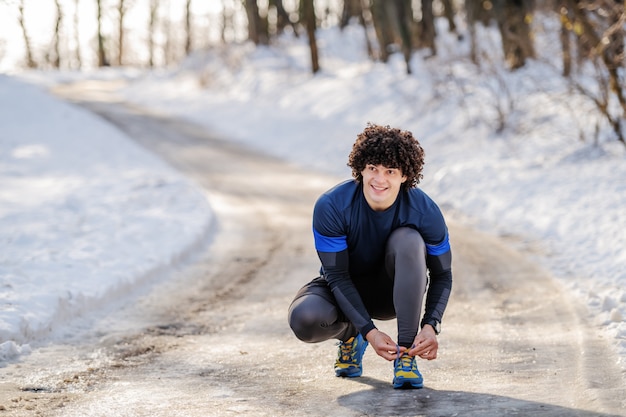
(599, 27)
(30, 61)
(188, 30)
(477, 11)
(403, 21)
(103, 61)
(393, 22)
(168, 45)
(258, 25)
(282, 17)
(470, 13)
(351, 9)
(55, 57)
(152, 22)
(564, 36)
(448, 11)
(514, 18)
(77, 54)
(307, 12)
(358, 9)
(122, 8)
(427, 26)
(383, 27)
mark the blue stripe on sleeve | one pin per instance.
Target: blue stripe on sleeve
(440, 248)
(329, 244)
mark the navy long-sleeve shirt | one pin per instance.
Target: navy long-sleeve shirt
(350, 239)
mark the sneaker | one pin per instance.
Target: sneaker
(349, 359)
(406, 374)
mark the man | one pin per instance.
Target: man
(378, 238)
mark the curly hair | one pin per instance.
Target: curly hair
(390, 147)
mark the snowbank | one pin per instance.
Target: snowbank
(86, 215)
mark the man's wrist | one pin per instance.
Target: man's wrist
(432, 322)
(367, 328)
(371, 333)
(430, 327)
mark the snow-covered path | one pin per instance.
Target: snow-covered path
(214, 340)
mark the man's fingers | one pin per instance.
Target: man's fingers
(430, 355)
(422, 350)
(387, 354)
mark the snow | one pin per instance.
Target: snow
(83, 221)
(85, 215)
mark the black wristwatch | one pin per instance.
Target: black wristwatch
(434, 323)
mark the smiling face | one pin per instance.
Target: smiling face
(381, 185)
(387, 147)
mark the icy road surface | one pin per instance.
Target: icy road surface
(214, 341)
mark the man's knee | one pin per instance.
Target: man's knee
(406, 240)
(308, 316)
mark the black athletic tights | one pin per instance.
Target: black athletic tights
(397, 292)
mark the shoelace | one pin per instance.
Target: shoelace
(347, 350)
(406, 361)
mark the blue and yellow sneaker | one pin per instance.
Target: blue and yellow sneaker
(349, 361)
(406, 374)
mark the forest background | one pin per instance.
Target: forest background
(87, 34)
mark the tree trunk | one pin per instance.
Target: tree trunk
(365, 23)
(514, 18)
(600, 32)
(382, 27)
(307, 10)
(404, 16)
(264, 27)
(102, 57)
(471, 11)
(154, 7)
(608, 46)
(77, 55)
(55, 60)
(428, 26)
(121, 10)
(282, 17)
(477, 11)
(448, 10)
(188, 27)
(351, 9)
(168, 49)
(30, 61)
(614, 49)
(564, 36)
(252, 11)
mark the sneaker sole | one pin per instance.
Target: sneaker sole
(401, 383)
(348, 375)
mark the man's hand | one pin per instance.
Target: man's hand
(425, 344)
(384, 345)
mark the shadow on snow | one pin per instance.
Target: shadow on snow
(383, 401)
